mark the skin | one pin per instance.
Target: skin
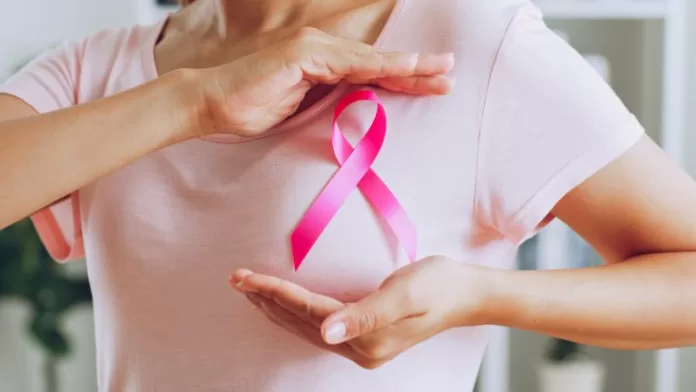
(42, 156)
(642, 298)
(217, 66)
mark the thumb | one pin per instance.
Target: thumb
(376, 311)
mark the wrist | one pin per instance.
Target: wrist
(498, 297)
(181, 90)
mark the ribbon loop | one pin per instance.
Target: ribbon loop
(355, 172)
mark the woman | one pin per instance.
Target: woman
(194, 148)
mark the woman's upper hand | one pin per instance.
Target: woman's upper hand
(252, 94)
(412, 305)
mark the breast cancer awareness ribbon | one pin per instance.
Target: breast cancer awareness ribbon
(354, 172)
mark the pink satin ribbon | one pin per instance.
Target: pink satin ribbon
(355, 172)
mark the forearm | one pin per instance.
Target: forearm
(45, 157)
(647, 302)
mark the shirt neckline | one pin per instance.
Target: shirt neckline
(148, 58)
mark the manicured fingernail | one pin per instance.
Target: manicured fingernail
(335, 333)
(237, 278)
(414, 58)
(449, 58)
(233, 282)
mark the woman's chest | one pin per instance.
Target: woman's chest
(216, 207)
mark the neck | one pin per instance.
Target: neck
(263, 15)
(227, 18)
(211, 32)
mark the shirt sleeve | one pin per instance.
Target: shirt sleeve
(550, 122)
(47, 84)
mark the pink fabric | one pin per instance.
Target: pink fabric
(477, 171)
(355, 172)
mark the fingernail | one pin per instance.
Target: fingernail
(237, 278)
(237, 285)
(414, 58)
(335, 333)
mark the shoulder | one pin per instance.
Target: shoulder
(82, 70)
(116, 60)
(473, 30)
(481, 23)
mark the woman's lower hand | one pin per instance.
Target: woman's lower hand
(412, 305)
(250, 95)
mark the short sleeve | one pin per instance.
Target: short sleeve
(550, 122)
(47, 84)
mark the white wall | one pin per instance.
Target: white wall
(29, 26)
(691, 122)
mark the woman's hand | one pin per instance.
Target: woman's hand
(412, 305)
(251, 95)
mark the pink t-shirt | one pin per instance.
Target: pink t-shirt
(477, 171)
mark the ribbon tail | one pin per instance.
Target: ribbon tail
(384, 201)
(317, 218)
(329, 201)
(372, 187)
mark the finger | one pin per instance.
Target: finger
(434, 64)
(256, 304)
(237, 279)
(388, 342)
(345, 57)
(311, 333)
(262, 304)
(376, 311)
(312, 307)
(360, 67)
(400, 64)
(418, 85)
(358, 63)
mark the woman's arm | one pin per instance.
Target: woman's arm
(639, 213)
(45, 157)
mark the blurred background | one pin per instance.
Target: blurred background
(641, 47)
